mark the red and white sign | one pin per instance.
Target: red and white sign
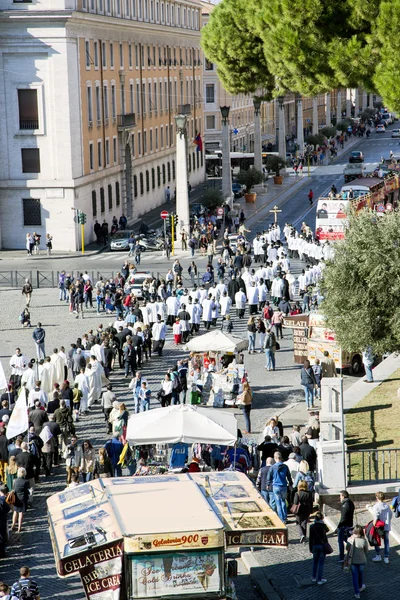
(380, 208)
(389, 207)
(164, 214)
(220, 211)
(102, 573)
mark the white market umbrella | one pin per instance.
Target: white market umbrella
(182, 423)
(216, 341)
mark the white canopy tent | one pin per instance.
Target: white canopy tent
(182, 423)
(217, 341)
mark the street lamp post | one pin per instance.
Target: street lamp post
(300, 125)
(226, 154)
(257, 134)
(182, 193)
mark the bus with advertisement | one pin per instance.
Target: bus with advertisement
(368, 192)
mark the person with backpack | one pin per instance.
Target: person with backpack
(25, 588)
(270, 347)
(278, 479)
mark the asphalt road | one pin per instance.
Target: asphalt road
(295, 209)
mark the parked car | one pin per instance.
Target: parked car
(380, 128)
(395, 133)
(237, 190)
(135, 282)
(356, 156)
(119, 241)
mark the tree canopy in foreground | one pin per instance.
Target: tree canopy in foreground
(362, 284)
(305, 46)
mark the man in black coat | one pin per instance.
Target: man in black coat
(267, 449)
(308, 453)
(26, 460)
(233, 288)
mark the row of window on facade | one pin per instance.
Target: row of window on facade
(165, 13)
(146, 55)
(237, 119)
(110, 199)
(143, 99)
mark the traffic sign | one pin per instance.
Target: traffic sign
(164, 214)
(220, 211)
(389, 207)
(380, 208)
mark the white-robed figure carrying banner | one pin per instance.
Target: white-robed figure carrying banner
(182, 423)
(18, 422)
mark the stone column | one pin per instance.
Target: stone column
(282, 131)
(338, 106)
(327, 109)
(257, 140)
(182, 193)
(315, 115)
(371, 100)
(356, 102)
(226, 161)
(364, 99)
(348, 103)
(300, 125)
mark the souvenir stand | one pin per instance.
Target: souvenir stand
(216, 369)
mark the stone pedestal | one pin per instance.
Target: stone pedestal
(331, 448)
(182, 194)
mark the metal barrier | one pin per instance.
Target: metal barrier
(46, 279)
(373, 465)
(20, 276)
(7, 278)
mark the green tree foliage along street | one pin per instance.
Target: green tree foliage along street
(362, 285)
(306, 46)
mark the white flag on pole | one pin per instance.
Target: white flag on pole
(18, 422)
(3, 380)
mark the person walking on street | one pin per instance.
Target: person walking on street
(279, 478)
(270, 349)
(167, 194)
(310, 196)
(368, 361)
(304, 499)
(39, 335)
(345, 523)
(357, 550)
(382, 512)
(49, 244)
(261, 483)
(27, 292)
(317, 547)
(328, 366)
(245, 400)
(309, 383)
(25, 582)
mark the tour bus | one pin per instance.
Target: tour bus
(375, 186)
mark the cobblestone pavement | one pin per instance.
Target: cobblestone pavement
(272, 392)
(289, 571)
